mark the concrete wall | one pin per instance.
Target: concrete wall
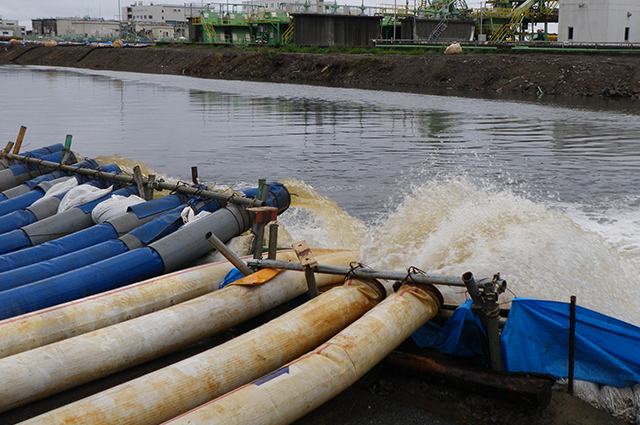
(455, 30)
(91, 28)
(334, 30)
(599, 21)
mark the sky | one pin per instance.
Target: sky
(25, 10)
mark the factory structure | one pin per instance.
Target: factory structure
(11, 28)
(319, 23)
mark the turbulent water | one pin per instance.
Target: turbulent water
(545, 194)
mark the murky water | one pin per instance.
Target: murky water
(546, 194)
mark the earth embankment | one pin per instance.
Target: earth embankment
(591, 75)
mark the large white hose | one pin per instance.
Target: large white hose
(74, 361)
(306, 383)
(175, 389)
(87, 314)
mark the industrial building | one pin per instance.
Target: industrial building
(9, 28)
(315, 29)
(599, 21)
(166, 18)
(76, 28)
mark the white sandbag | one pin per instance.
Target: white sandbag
(620, 402)
(636, 397)
(113, 207)
(589, 392)
(453, 49)
(189, 216)
(59, 186)
(81, 195)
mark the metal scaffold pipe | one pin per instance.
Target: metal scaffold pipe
(364, 273)
(157, 184)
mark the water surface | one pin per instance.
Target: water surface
(545, 193)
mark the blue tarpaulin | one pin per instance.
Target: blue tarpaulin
(536, 339)
(20, 202)
(102, 276)
(44, 269)
(233, 275)
(57, 247)
(460, 335)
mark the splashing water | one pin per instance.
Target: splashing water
(319, 220)
(452, 226)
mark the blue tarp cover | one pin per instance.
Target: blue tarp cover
(233, 275)
(33, 272)
(460, 335)
(43, 178)
(57, 247)
(536, 337)
(102, 276)
(20, 202)
(46, 150)
(159, 227)
(167, 223)
(145, 209)
(14, 240)
(278, 196)
(14, 221)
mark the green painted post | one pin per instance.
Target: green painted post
(67, 142)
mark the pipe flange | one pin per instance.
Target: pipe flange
(377, 287)
(432, 290)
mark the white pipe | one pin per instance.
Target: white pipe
(306, 383)
(173, 390)
(87, 314)
(66, 364)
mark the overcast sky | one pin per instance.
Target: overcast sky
(25, 10)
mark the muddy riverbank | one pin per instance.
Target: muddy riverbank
(531, 74)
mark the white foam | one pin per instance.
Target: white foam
(450, 226)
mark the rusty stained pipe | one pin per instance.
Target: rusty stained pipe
(87, 357)
(108, 308)
(532, 389)
(175, 389)
(313, 379)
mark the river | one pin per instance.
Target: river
(545, 193)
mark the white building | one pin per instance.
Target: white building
(599, 21)
(176, 15)
(162, 13)
(10, 28)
